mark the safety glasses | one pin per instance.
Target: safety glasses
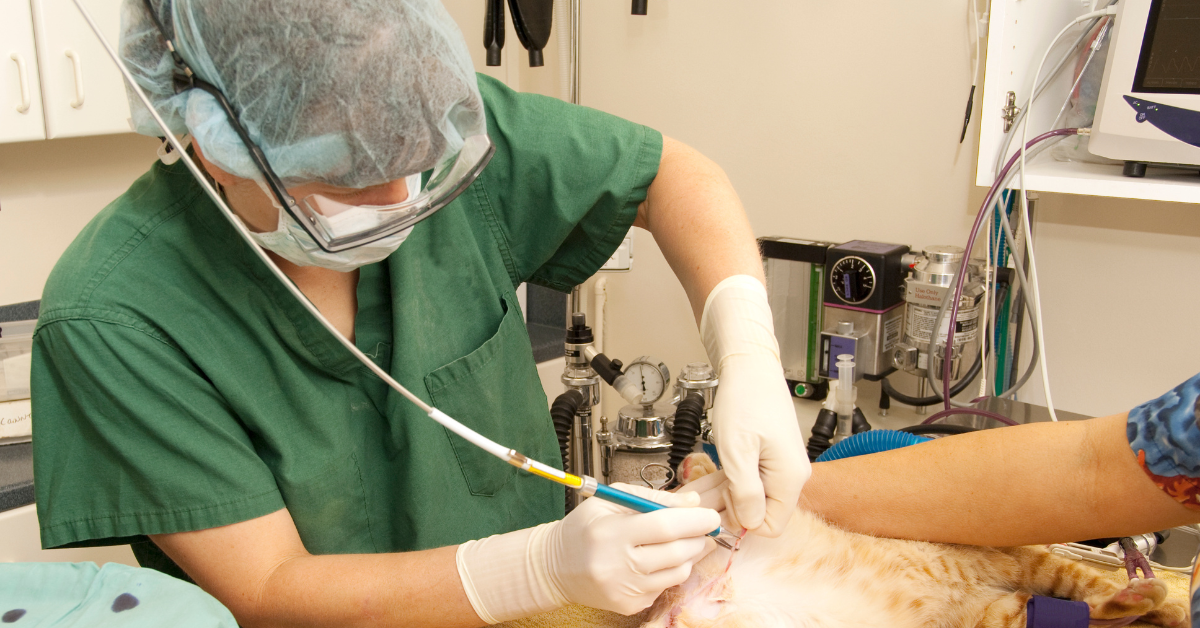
(334, 225)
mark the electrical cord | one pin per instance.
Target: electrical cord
(1021, 304)
(1069, 54)
(1021, 284)
(988, 287)
(974, 16)
(1034, 296)
(994, 253)
(1033, 360)
(960, 280)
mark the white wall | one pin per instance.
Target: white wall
(834, 120)
(48, 191)
(840, 121)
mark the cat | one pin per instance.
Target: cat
(817, 575)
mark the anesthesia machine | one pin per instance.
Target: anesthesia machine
(652, 434)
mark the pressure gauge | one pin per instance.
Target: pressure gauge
(650, 375)
(852, 279)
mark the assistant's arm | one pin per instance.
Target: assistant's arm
(702, 230)
(1024, 485)
(260, 570)
(698, 222)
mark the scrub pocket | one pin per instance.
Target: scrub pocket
(330, 509)
(495, 391)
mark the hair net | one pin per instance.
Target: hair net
(351, 93)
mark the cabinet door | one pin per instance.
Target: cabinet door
(20, 89)
(83, 90)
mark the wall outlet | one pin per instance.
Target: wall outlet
(622, 259)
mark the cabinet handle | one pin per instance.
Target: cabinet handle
(23, 77)
(77, 64)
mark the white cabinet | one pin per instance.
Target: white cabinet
(1018, 33)
(82, 88)
(20, 88)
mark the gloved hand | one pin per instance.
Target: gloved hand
(754, 421)
(600, 555)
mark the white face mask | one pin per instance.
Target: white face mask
(291, 242)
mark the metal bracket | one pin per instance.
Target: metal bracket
(1010, 111)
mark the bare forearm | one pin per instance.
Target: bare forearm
(412, 589)
(695, 216)
(1040, 483)
(260, 570)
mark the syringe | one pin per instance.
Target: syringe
(590, 487)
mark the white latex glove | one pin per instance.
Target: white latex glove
(754, 421)
(600, 555)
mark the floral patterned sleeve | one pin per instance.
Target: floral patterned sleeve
(1165, 435)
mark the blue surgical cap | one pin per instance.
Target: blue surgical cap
(351, 93)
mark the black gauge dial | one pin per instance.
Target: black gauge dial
(852, 279)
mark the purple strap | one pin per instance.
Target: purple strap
(1049, 612)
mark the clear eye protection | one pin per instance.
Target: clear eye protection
(337, 226)
(332, 224)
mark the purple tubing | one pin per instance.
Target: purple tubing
(983, 413)
(960, 279)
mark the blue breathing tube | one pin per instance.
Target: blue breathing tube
(871, 442)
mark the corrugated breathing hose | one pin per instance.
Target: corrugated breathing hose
(685, 432)
(562, 413)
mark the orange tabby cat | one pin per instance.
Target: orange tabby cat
(816, 575)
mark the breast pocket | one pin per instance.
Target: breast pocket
(495, 391)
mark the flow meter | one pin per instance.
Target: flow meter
(796, 277)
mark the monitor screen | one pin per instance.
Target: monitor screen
(1170, 59)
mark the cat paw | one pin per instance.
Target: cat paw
(1139, 598)
(1173, 614)
(695, 466)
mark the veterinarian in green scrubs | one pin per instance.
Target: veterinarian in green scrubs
(187, 404)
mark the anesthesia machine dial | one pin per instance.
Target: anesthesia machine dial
(852, 280)
(863, 311)
(650, 375)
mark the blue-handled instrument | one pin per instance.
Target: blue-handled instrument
(641, 504)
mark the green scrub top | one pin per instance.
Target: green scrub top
(177, 386)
